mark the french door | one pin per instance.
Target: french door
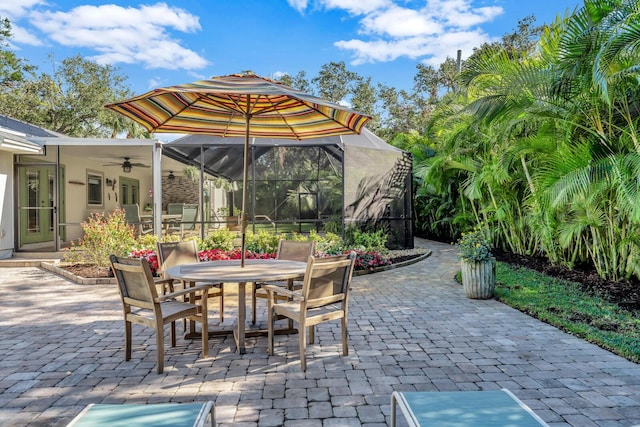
(37, 205)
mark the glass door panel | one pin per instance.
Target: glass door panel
(36, 204)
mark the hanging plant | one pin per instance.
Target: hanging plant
(222, 183)
(192, 173)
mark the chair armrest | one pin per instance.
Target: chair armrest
(186, 291)
(273, 290)
(165, 283)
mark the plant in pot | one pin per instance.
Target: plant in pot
(477, 263)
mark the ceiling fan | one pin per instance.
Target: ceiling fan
(127, 165)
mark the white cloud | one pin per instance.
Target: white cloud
(14, 10)
(357, 7)
(400, 22)
(389, 31)
(459, 13)
(17, 8)
(22, 36)
(125, 35)
(299, 5)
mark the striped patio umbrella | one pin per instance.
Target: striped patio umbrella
(240, 105)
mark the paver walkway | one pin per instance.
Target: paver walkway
(411, 328)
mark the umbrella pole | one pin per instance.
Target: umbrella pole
(245, 179)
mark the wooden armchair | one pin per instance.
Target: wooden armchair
(324, 297)
(176, 253)
(141, 304)
(290, 250)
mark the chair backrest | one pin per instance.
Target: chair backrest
(189, 216)
(327, 280)
(292, 250)
(175, 253)
(135, 282)
(175, 208)
(131, 213)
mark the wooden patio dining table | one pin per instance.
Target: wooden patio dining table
(230, 272)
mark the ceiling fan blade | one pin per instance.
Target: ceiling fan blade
(140, 165)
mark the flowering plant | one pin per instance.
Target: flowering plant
(369, 260)
(103, 234)
(475, 246)
(148, 254)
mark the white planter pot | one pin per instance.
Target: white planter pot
(479, 278)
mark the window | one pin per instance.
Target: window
(94, 188)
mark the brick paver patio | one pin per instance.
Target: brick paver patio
(411, 329)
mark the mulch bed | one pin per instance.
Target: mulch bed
(93, 271)
(624, 293)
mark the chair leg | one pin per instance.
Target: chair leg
(312, 334)
(127, 340)
(345, 346)
(221, 302)
(270, 320)
(302, 334)
(172, 334)
(253, 304)
(160, 345)
(205, 327)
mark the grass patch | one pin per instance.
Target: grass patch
(562, 304)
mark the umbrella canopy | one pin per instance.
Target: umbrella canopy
(240, 105)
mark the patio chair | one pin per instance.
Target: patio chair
(176, 253)
(142, 305)
(290, 250)
(147, 415)
(132, 216)
(324, 297)
(175, 208)
(188, 220)
(173, 225)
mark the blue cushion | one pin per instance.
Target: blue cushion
(469, 408)
(132, 415)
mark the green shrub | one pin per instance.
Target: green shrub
(330, 244)
(367, 240)
(103, 235)
(222, 239)
(262, 242)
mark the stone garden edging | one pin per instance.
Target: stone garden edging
(54, 268)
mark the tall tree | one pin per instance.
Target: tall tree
(71, 100)
(13, 70)
(334, 82)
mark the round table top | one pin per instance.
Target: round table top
(254, 270)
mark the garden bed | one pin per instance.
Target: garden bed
(92, 274)
(624, 293)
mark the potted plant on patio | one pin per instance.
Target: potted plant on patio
(477, 263)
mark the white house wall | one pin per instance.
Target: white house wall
(6, 205)
(77, 165)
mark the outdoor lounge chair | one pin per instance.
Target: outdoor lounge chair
(177, 253)
(146, 415)
(141, 304)
(324, 297)
(494, 408)
(287, 249)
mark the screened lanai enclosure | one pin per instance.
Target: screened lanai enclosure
(323, 184)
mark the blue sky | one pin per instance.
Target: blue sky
(164, 43)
